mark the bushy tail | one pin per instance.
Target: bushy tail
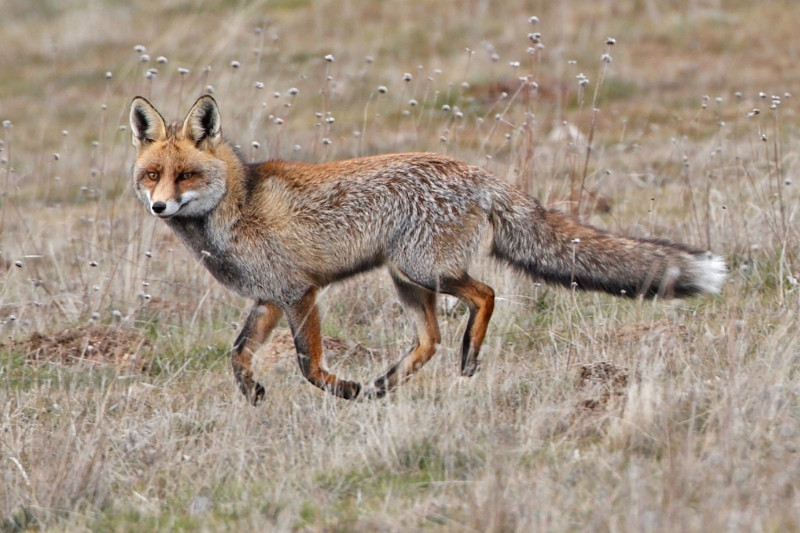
(556, 248)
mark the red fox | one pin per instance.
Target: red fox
(277, 232)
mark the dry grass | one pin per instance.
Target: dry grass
(117, 405)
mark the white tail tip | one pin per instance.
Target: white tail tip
(711, 272)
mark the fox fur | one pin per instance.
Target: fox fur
(277, 232)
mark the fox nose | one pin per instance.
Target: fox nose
(158, 207)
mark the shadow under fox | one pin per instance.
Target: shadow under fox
(277, 232)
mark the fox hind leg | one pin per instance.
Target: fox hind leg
(257, 328)
(421, 303)
(479, 298)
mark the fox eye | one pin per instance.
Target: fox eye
(152, 175)
(185, 176)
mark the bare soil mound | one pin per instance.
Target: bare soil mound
(95, 344)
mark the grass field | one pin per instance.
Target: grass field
(118, 408)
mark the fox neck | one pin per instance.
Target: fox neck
(198, 234)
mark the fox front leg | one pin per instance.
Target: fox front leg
(303, 317)
(260, 322)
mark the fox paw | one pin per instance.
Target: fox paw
(469, 368)
(257, 394)
(374, 391)
(253, 391)
(347, 390)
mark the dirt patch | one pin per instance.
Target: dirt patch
(105, 345)
(599, 383)
(124, 347)
(281, 346)
(648, 333)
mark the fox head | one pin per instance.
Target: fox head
(178, 172)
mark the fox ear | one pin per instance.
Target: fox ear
(202, 124)
(147, 124)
